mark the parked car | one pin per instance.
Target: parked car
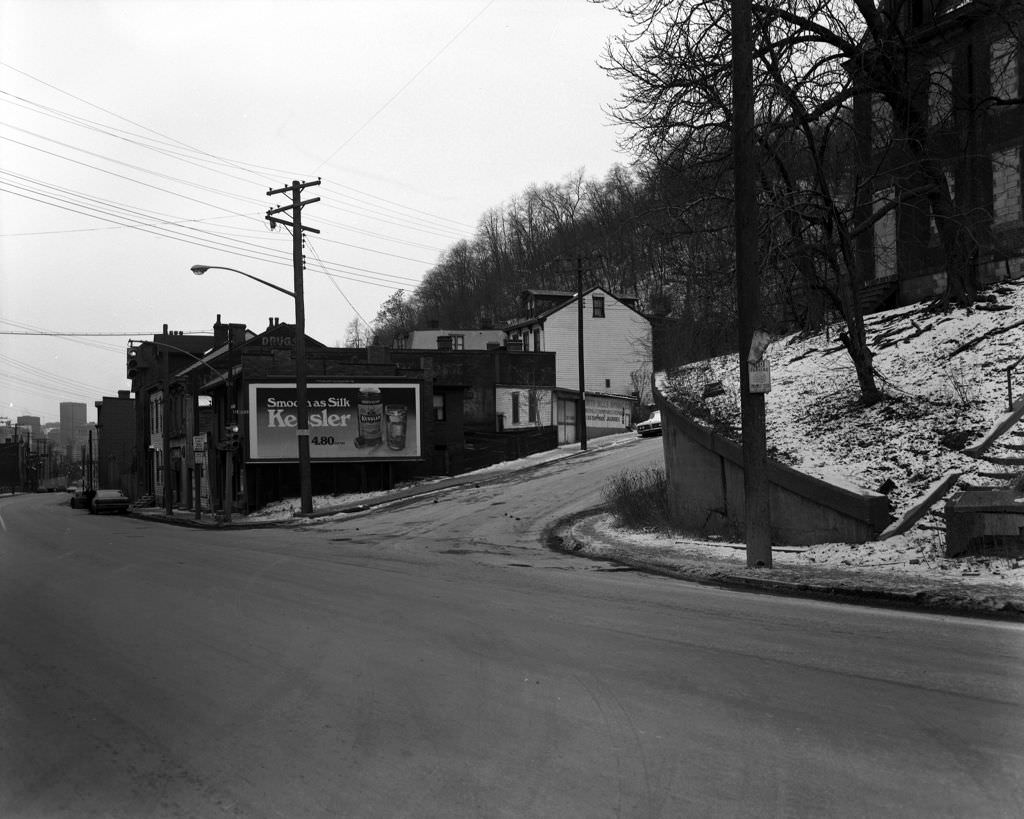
(108, 500)
(80, 498)
(652, 426)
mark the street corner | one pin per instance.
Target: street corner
(593, 535)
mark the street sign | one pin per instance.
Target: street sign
(760, 373)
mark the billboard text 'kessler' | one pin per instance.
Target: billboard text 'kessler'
(347, 422)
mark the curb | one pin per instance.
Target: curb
(560, 538)
(192, 523)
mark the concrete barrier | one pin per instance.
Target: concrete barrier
(705, 479)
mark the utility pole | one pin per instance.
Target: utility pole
(165, 430)
(579, 334)
(757, 512)
(298, 262)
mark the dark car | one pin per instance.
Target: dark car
(652, 426)
(80, 498)
(108, 500)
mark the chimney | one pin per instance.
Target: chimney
(220, 333)
(236, 334)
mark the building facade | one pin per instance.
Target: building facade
(968, 81)
(217, 426)
(116, 458)
(441, 339)
(617, 350)
(74, 434)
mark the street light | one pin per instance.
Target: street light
(302, 408)
(200, 269)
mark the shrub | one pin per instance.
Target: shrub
(638, 498)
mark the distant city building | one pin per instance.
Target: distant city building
(114, 450)
(30, 424)
(73, 428)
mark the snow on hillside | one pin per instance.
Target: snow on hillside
(944, 378)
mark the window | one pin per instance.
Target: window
(532, 405)
(439, 409)
(885, 236)
(156, 415)
(458, 342)
(881, 122)
(607, 383)
(1006, 199)
(1003, 68)
(940, 94)
(598, 306)
(536, 341)
(515, 408)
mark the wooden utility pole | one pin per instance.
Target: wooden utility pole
(757, 512)
(298, 262)
(579, 333)
(165, 430)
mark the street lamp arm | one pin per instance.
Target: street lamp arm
(200, 269)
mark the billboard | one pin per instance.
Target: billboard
(347, 422)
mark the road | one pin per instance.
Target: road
(433, 659)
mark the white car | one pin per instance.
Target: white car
(652, 426)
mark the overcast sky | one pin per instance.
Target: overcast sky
(139, 138)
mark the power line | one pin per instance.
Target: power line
(136, 139)
(259, 254)
(84, 335)
(146, 143)
(348, 301)
(398, 93)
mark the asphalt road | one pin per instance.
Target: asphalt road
(433, 659)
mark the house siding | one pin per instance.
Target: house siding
(615, 347)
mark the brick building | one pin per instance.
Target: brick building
(217, 424)
(968, 76)
(116, 454)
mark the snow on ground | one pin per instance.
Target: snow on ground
(944, 378)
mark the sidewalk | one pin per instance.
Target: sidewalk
(363, 502)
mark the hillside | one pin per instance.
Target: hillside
(944, 377)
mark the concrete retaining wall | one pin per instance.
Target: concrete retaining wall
(705, 478)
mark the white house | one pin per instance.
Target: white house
(616, 355)
(439, 339)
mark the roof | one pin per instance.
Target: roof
(517, 323)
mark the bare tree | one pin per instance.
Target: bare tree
(813, 58)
